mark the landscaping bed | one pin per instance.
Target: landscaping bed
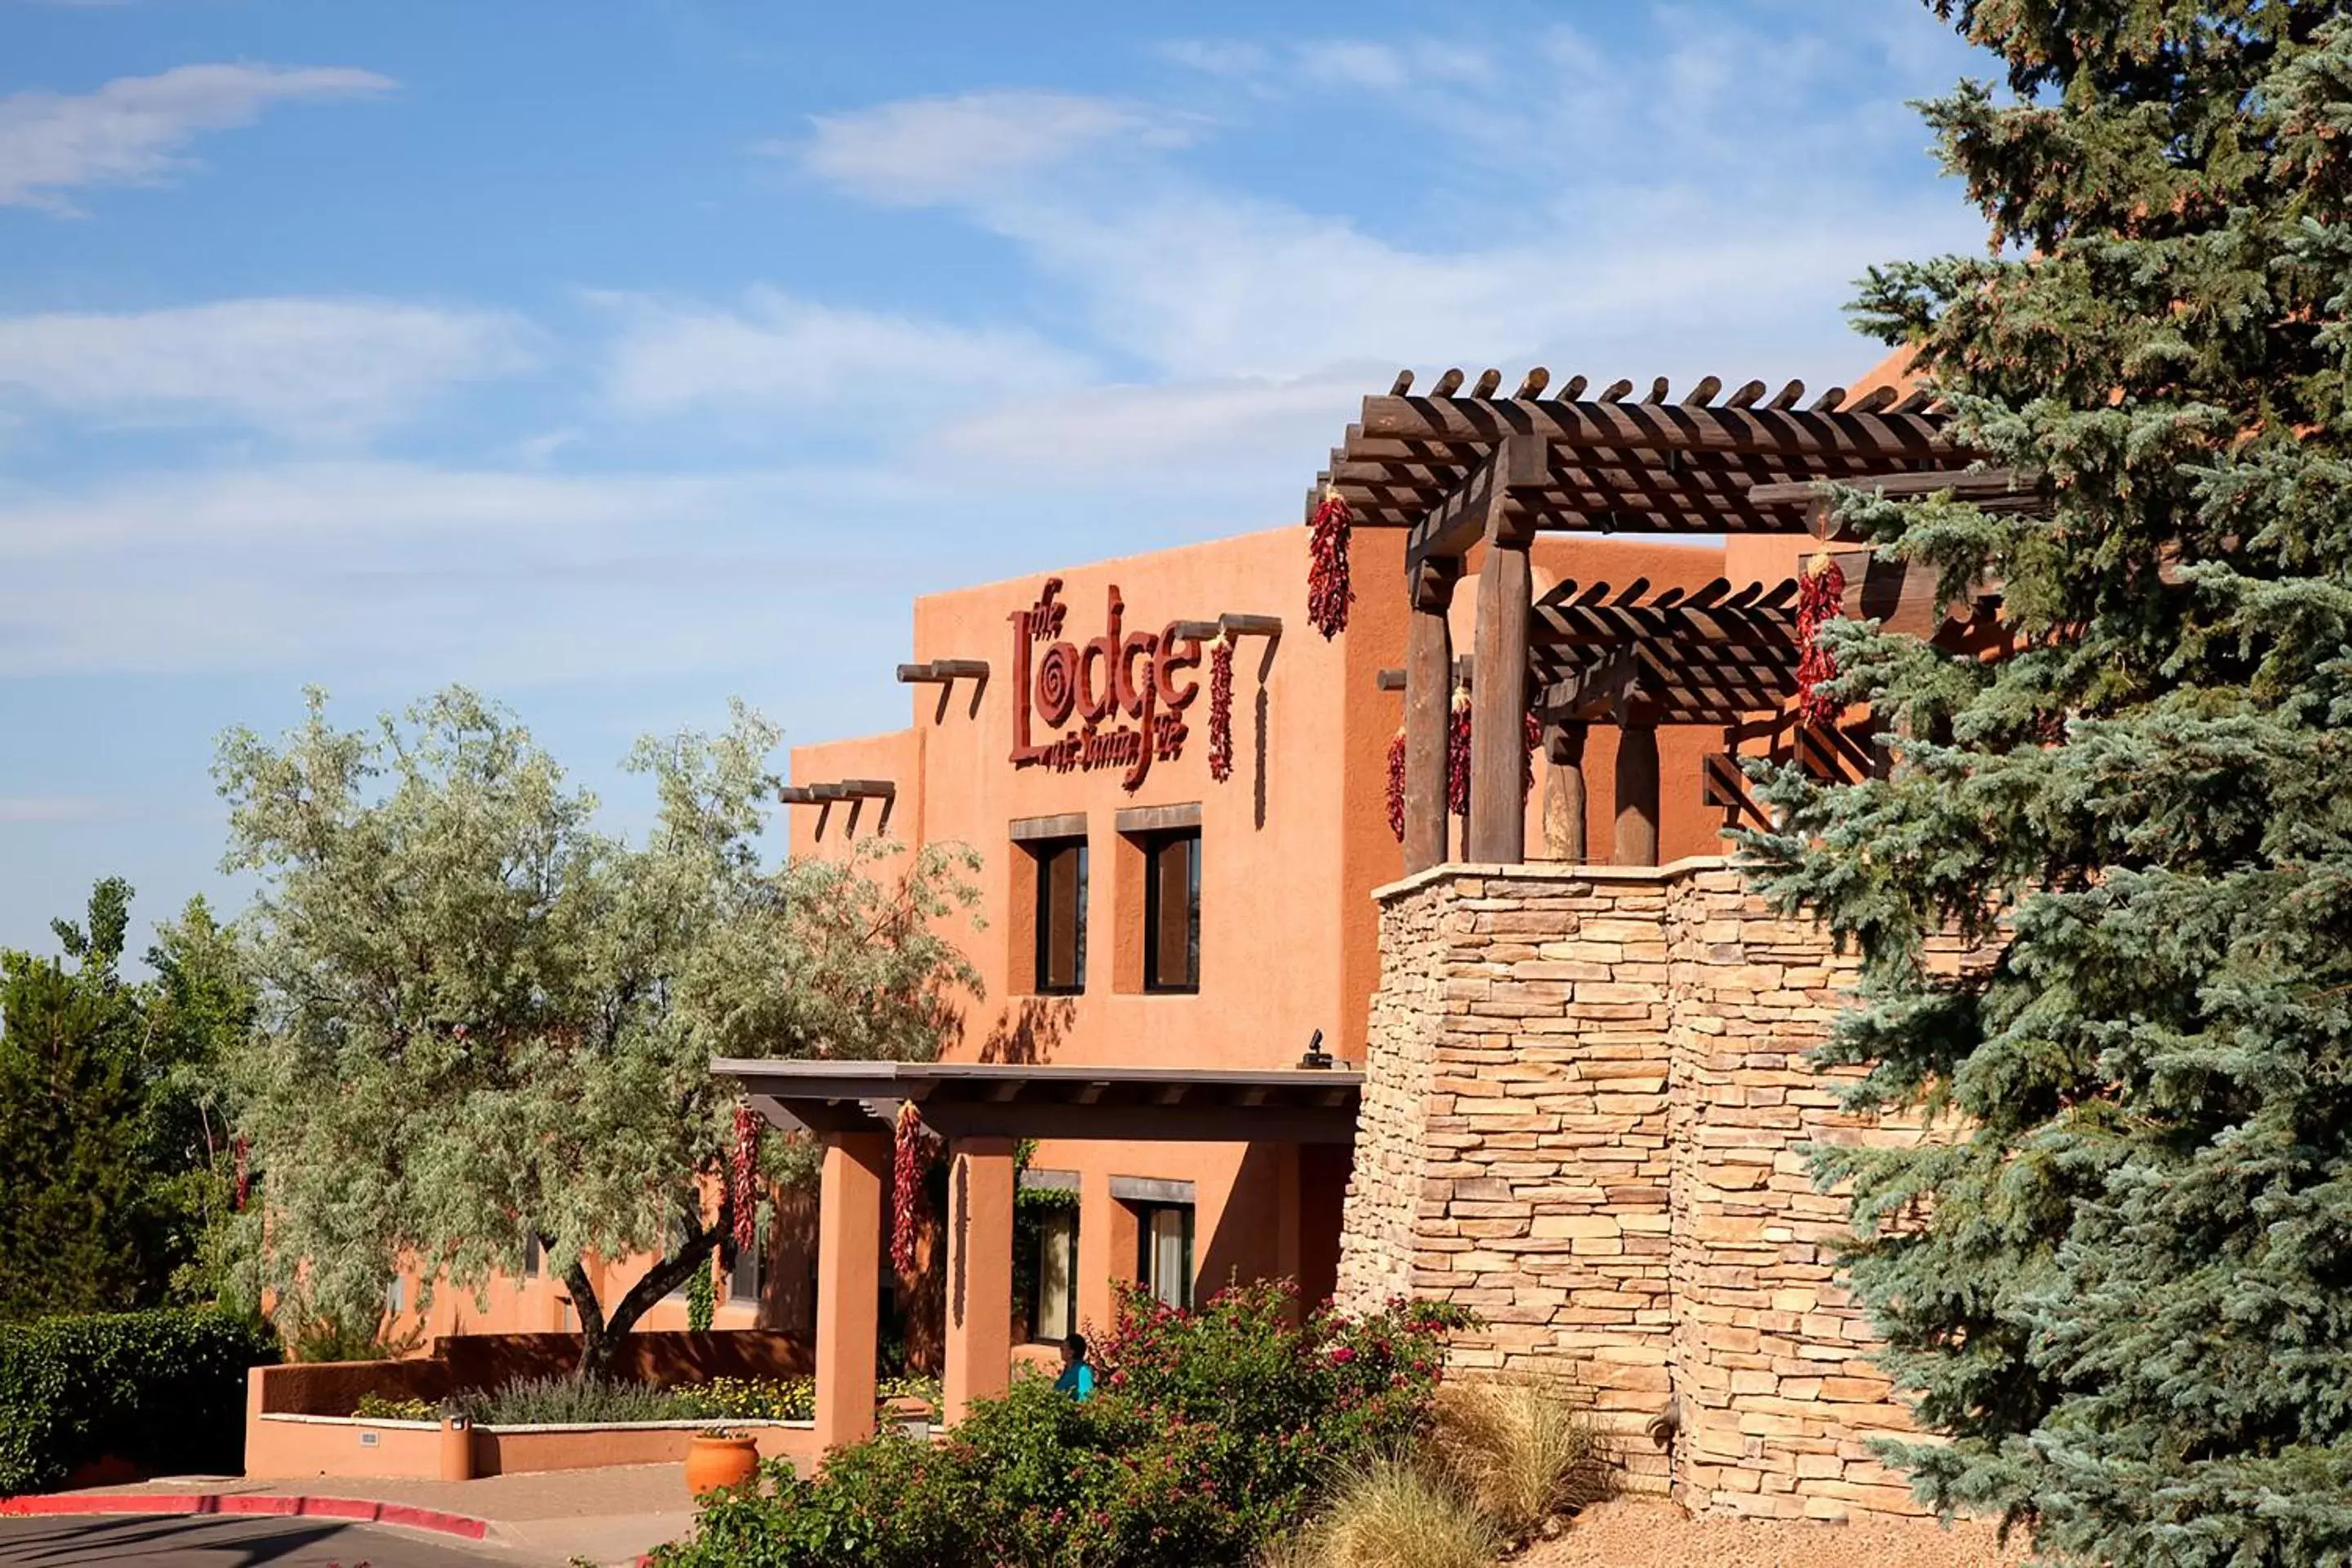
(1642, 1533)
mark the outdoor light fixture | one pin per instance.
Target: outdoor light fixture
(1316, 1057)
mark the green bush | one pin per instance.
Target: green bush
(1209, 1435)
(163, 1391)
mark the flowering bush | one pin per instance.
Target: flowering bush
(1209, 1434)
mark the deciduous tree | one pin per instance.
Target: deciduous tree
(485, 1023)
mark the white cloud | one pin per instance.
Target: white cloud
(131, 131)
(923, 150)
(313, 367)
(1390, 68)
(30, 808)
(1219, 429)
(777, 353)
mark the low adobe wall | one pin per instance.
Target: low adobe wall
(1585, 1106)
(298, 1418)
(663, 1359)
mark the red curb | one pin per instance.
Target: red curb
(363, 1510)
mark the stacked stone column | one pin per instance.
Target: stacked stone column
(1585, 1115)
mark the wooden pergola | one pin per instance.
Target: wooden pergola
(1458, 470)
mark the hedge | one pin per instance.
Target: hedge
(163, 1391)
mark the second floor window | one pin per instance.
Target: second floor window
(1061, 916)
(1172, 913)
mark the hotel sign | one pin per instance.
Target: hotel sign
(1119, 690)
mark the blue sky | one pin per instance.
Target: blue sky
(619, 358)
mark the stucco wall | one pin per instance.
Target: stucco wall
(1585, 1114)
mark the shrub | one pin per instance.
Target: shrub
(163, 1391)
(1524, 1448)
(564, 1400)
(377, 1407)
(1210, 1433)
(1396, 1514)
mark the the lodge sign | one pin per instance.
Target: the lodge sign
(1121, 690)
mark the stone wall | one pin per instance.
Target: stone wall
(1584, 1115)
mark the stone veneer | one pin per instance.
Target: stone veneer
(1584, 1114)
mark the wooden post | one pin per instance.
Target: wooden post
(849, 1279)
(1428, 703)
(1564, 804)
(980, 1274)
(1637, 791)
(1498, 701)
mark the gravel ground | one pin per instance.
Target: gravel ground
(1641, 1535)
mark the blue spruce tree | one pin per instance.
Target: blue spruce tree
(2123, 1285)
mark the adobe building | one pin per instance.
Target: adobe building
(1564, 1080)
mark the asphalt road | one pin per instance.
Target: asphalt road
(224, 1541)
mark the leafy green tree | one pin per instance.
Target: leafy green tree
(483, 1024)
(2124, 1288)
(111, 1167)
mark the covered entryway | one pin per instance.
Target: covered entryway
(983, 1110)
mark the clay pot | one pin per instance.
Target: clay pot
(713, 1462)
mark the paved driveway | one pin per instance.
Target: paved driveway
(215, 1540)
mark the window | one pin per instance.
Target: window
(534, 1260)
(1163, 1264)
(1172, 911)
(1053, 1308)
(395, 1295)
(748, 1278)
(1061, 916)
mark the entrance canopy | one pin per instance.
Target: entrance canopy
(998, 1100)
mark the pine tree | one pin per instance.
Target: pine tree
(2123, 1283)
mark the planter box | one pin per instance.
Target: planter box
(278, 1445)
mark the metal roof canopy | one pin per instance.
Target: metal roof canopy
(1001, 1100)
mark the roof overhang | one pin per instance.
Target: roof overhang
(998, 1100)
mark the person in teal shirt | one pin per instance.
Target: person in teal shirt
(1077, 1379)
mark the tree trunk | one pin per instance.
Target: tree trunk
(601, 1334)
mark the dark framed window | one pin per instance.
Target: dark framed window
(748, 1278)
(534, 1260)
(1061, 916)
(1053, 1287)
(1172, 911)
(1163, 1252)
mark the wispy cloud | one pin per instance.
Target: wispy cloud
(37, 808)
(774, 352)
(923, 150)
(308, 367)
(132, 130)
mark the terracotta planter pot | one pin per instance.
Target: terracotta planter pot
(715, 1462)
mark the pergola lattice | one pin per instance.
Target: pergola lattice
(1459, 471)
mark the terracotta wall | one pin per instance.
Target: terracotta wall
(1293, 845)
(1585, 1115)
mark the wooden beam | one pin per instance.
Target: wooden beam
(1470, 513)
(1656, 428)
(1498, 806)
(1564, 791)
(1428, 707)
(1637, 794)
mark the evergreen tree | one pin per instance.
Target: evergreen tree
(2124, 1286)
(108, 1174)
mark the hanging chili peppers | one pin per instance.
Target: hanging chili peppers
(1820, 592)
(743, 1178)
(1328, 592)
(906, 1184)
(1396, 785)
(1457, 754)
(1221, 708)
(1532, 729)
(242, 1149)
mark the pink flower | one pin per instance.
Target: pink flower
(1341, 1356)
